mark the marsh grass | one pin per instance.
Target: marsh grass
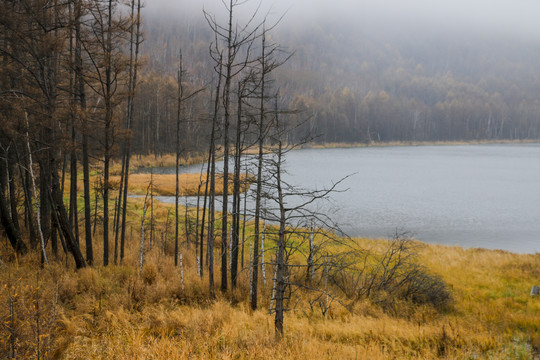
(119, 312)
(165, 184)
(152, 161)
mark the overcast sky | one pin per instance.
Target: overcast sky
(516, 17)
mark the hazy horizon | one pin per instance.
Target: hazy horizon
(499, 17)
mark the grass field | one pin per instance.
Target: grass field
(165, 312)
(118, 312)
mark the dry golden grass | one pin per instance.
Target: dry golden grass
(165, 184)
(117, 312)
(149, 161)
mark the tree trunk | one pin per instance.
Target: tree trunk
(211, 207)
(211, 222)
(107, 136)
(12, 189)
(134, 67)
(65, 227)
(84, 120)
(244, 222)
(177, 169)
(201, 240)
(5, 215)
(73, 209)
(44, 188)
(280, 256)
(256, 235)
(38, 210)
(236, 193)
(27, 187)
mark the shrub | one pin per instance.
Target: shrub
(425, 288)
(390, 276)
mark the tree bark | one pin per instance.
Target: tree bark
(235, 233)
(63, 220)
(280, 256)
(11, 230)
(177, 169)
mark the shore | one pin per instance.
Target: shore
(416, 143)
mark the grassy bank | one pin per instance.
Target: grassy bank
(165, 184)
(154, 161)
(119, 312)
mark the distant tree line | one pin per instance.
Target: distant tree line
(358, 86)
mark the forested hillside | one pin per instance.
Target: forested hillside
(367, 82)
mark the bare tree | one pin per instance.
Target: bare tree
(231, 41)
(177, 169)
(292, 209)
(105, 54)
(135, 41)
(268, 61)
(211, 178)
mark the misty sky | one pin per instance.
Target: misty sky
(513, 17)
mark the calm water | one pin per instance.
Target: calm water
(473, 196)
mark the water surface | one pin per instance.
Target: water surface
(473, 195)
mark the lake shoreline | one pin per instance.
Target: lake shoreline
(169, 159)
(471, 195)
(342, 145)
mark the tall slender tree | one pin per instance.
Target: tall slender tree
(135, 41)
(232, 50)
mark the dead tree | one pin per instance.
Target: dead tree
(135, 41)
(177, 169)
(211, 178)
(231, 42)
(271, 57)
(181, 98)
(290, 208)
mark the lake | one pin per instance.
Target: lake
(472, 195)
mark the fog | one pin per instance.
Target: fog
(497, 17)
